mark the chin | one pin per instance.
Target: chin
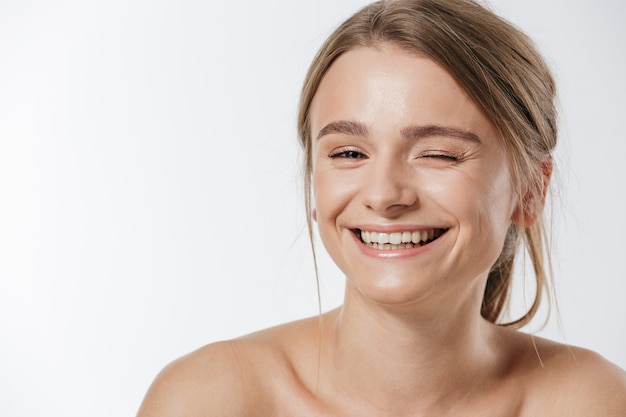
(391, 292)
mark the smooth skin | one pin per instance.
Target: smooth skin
(398, 145)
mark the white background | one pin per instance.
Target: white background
(149, 185)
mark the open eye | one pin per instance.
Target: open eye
(347, 153)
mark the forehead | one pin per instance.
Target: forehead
(387, 87)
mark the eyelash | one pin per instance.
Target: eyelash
(447, 157)
(353, 153)
(347, 153)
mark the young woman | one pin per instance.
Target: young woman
(427, 128)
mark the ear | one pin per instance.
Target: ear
(529, 210)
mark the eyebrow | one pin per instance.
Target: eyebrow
(416, 132)
(353, 128)
(345, 127)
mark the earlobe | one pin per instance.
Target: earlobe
(529, 210)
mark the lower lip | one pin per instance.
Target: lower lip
(394, 253)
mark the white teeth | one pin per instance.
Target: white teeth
(398, 240)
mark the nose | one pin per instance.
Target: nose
(390, 187)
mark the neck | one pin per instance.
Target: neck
(399, 357)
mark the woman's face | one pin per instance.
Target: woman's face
(412, 189)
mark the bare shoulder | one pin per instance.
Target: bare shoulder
(225, 378)
(573, 381)
(208, 380)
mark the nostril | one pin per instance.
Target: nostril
(389, 188)
(390, 199)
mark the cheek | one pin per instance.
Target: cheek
(479, 197)
(499, 198)
(484, 204)
(331, 196)
(330, 193)
(332, 188)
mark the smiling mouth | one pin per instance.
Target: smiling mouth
(398, 240)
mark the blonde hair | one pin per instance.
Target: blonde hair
(501, 70)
